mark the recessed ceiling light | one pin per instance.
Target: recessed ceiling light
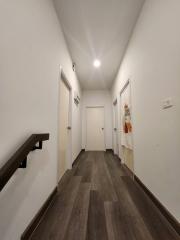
(97, 63)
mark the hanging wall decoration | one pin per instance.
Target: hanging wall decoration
(127, 126)
(126, 119)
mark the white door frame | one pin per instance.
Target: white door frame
(62, 77)
(101, 106)
(128, 82)
(115, 127)
(117, 101)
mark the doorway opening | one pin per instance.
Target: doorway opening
(95, 131)
(64, 125)
(126, 138)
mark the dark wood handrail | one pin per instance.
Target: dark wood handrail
(19, 159)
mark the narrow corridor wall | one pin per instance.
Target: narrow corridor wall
(152, 63)
(32, 48)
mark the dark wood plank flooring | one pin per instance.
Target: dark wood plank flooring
(97, 200)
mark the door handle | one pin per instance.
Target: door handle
(69, 128)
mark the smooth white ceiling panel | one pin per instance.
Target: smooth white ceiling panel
(97, 29)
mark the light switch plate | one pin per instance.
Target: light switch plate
(167, 103)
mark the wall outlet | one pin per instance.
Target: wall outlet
(167, 103)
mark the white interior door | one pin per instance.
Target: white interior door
(116, 141)
(95, 129)
(64, 103)
(126, 127)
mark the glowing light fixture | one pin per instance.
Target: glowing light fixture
(97, 63)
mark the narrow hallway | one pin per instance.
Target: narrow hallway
(90, 120)
(98, 199)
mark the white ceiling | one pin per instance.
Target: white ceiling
(97, 29)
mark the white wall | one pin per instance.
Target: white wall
(152, 62)
(32, 48)
(98, 98)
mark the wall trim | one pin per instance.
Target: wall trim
(118, 158)
(174, 223)
(169, 217)
(109, 150)
(77, 158)
(39, 216)
(128, 170)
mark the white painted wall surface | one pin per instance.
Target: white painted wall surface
(98, 98)
(152, 62)
(32, 47)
